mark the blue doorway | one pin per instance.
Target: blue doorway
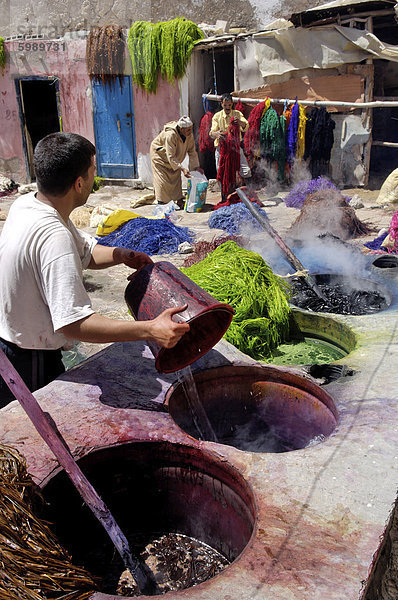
(114, 129)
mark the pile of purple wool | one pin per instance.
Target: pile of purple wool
(152, 236)
(234, 219)
(304, 188)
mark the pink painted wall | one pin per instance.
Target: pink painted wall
(152, 111)
(67, 62)
(69, 65)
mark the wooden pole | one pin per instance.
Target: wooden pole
(373, 104)
(47, 429)
(292, 259)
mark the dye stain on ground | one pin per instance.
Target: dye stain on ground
(340, 299)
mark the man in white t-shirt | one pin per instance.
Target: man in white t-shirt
(43, 302)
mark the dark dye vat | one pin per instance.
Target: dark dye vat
(346, 296)
(153, 490)
(386, 262)
(257, 409)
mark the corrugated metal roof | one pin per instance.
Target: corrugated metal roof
(342, 7)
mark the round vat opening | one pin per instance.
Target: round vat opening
(386, 262)
(258, 409)
(345, 295)
(314, 340)
(198, 511)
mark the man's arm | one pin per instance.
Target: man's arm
(103, 257)
(215, 130)
(99, 329)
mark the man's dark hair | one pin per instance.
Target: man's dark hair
(226, 96)
(59, 159)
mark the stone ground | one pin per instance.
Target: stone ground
(107, 287)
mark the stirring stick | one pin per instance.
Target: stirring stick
(46, 427)
(292, 258)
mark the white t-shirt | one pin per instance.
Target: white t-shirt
(41, 275)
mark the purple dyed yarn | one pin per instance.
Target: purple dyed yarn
(292, 133)
(234, 219)
(302, 189)
(152, 236)
(377, 242)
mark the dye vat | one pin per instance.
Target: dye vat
(257, 409)
(386, 262)
(314, 340)
(345, 295)
(164, 497)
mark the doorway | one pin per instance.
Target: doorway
(39, 109)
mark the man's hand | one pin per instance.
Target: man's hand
(166, 332)
(131, 258)
(186, 172)
(219, 135)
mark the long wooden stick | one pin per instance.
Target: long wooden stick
(46, 427)
(293, 260)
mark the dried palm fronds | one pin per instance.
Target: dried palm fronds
(105, 53)
(33, 565)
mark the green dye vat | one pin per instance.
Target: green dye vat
(309, 351)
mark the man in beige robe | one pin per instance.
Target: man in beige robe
(167, 152)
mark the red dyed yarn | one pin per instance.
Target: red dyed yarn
(241, 107)
(252, 135)
(393, 232)
(229, 158)
(206, 143)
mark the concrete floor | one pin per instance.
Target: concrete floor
(321, 511)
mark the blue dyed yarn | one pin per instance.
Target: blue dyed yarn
(234, 219)
(377, 242)
(152, 236)
(292, 133)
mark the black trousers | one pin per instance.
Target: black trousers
(36, 367)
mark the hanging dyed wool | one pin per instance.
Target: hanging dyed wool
(241, 107)
(292, 133)
(272, 140)
(162, 48)
(105, 54)
(235, 219)
(301, 132)
(229, 164)
(152, 236)
(252, 135)
(2, 54)
(34, 566)
(260, 299)
(206, 143)
(319, 140)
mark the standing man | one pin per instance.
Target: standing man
(167, 152)
(219, 130)
(43, 302)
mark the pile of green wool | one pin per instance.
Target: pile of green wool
(259, 297)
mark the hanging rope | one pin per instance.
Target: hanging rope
(229, 158)
(105, 54)
(214, 72)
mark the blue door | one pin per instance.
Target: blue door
(114, 129)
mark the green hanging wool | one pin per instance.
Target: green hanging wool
(260, 298)
(2, 54)
(272, 139)
(161, 48)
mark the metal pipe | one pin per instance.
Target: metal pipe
(373, 104)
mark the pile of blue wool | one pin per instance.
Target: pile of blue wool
(152, 236)
(306, 187)
(234, 219)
